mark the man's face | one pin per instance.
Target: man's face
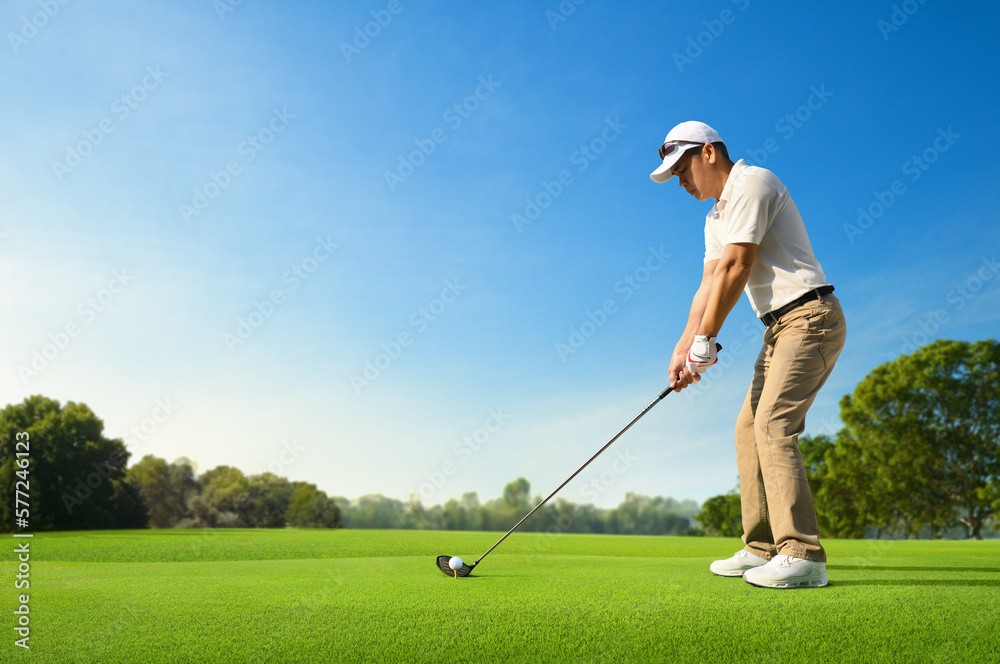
(691, 170)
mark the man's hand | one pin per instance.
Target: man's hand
(702, 354)
(680, 376)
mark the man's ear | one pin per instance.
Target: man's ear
(709, 153)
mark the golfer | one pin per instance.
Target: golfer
(755, 241)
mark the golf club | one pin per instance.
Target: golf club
(465, 569)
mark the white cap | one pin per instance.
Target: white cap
(685, 136)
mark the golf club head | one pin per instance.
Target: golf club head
(442, 563)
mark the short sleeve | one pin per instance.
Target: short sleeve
(750, 211)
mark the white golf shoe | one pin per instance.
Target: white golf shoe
(788, 572)
(740, 562)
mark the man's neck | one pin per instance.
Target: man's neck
(724, 171)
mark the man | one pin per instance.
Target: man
(755, 241)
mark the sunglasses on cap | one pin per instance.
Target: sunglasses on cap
(671, 147)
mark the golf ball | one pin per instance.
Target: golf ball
(455, 563)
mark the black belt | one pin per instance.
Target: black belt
(771, 317)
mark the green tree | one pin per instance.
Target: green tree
(516, 494)
(76, 477)
(270, 497)
(843, 507)
(721, 516)
(311, 508)
(503, 513)
(374, 511)
(920, 452)
(167, 490)
(648, 515)
(224, 498)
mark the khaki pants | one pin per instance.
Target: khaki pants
(799, 352)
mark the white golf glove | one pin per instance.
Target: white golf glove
(702, 354)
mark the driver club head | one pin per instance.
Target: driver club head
(464, 570)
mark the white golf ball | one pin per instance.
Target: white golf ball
(455, 563)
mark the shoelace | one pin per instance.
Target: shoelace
(781, 561)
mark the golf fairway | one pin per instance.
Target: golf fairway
(376, 596)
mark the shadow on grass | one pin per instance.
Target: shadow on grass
(907, 568)
(888, 581)
(917, 582)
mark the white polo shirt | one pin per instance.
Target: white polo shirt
(756, 208)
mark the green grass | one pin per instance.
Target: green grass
(376, 596)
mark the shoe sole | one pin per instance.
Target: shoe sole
(808, 583)
(740, 572)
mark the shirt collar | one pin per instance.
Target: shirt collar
(727, 191)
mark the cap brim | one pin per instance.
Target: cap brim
(662, 174)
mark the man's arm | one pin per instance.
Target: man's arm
(679, 375)
(726, 286)
(722, 283)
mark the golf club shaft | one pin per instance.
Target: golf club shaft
(579, 470)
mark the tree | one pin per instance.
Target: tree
(504, 512)
(76, 477)
(647, 515)
(270, 497)
(167, 490)
(224, 498)
(721, 516)
(375, 511)
(921, 445)
(311, 508)
(841, 479)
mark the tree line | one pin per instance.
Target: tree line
(83, 482)
(79, 479)
(918, 456)
(635, 515)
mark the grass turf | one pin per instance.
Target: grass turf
(377, 596)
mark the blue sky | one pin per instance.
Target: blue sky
(218, 216)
